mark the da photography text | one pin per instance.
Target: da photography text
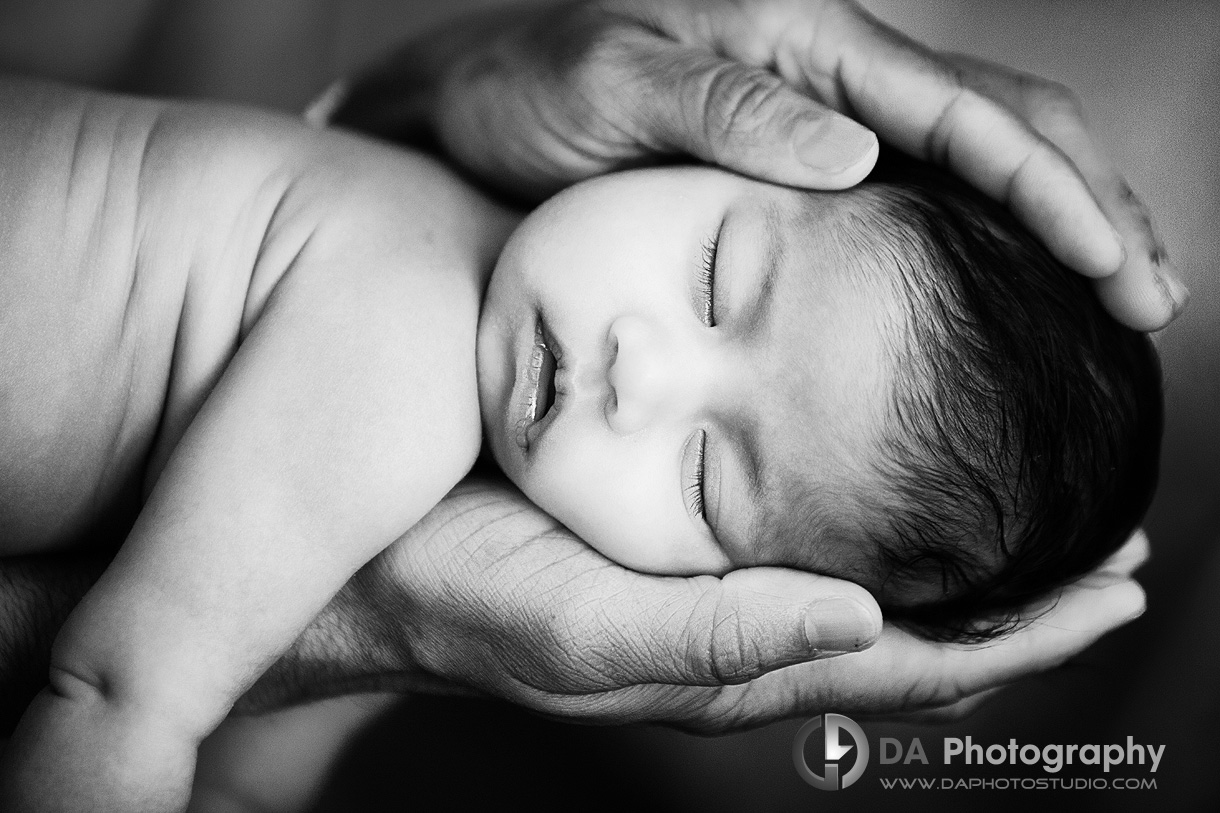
(845, 753)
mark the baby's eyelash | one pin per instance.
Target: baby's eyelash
(707, 279)
(694, 491)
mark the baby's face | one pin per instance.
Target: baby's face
(666, 355)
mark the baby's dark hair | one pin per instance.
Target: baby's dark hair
(1025, 423)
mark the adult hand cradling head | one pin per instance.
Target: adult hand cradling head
(487, 592)
(533, 101)
(735, 356)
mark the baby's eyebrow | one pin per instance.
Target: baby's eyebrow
(759, 314)
(776, 248)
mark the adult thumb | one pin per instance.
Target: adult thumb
(748, 119)
(707, 631)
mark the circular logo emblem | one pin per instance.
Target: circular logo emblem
(833, 726)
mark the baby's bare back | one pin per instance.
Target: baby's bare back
(277, 326)
(126, 283)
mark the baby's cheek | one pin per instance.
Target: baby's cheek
(625, 509)
(598, 500)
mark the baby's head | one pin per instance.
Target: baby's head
(894, 385)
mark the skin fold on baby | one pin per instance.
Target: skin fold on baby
(663, 358)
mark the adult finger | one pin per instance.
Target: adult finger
(493, 563)
(916, 100)
(745, 118)
(1129, 558)
(1020, 139)
(947, 714)
(903, 674)
(1146, 291)
(708, 631)
(1118, 567)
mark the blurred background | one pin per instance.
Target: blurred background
(1149, 75)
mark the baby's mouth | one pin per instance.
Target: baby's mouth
(544, 397)
(541, 398)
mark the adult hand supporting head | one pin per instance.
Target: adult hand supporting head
(488, 592)
(534, 99)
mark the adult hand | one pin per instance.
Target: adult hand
(490, 593)
(532, 100)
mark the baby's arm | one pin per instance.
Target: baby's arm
(348, 411)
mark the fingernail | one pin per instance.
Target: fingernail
(835, 144)
(840, 625)
(1174, 290)
(826, 654)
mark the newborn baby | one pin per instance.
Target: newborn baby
(895, 385)
(691, 370)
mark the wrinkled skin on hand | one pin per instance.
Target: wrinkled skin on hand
(533, 100)
(489, 594)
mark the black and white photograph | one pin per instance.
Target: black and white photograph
(677, 405)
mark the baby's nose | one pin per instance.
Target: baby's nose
(643, 375)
